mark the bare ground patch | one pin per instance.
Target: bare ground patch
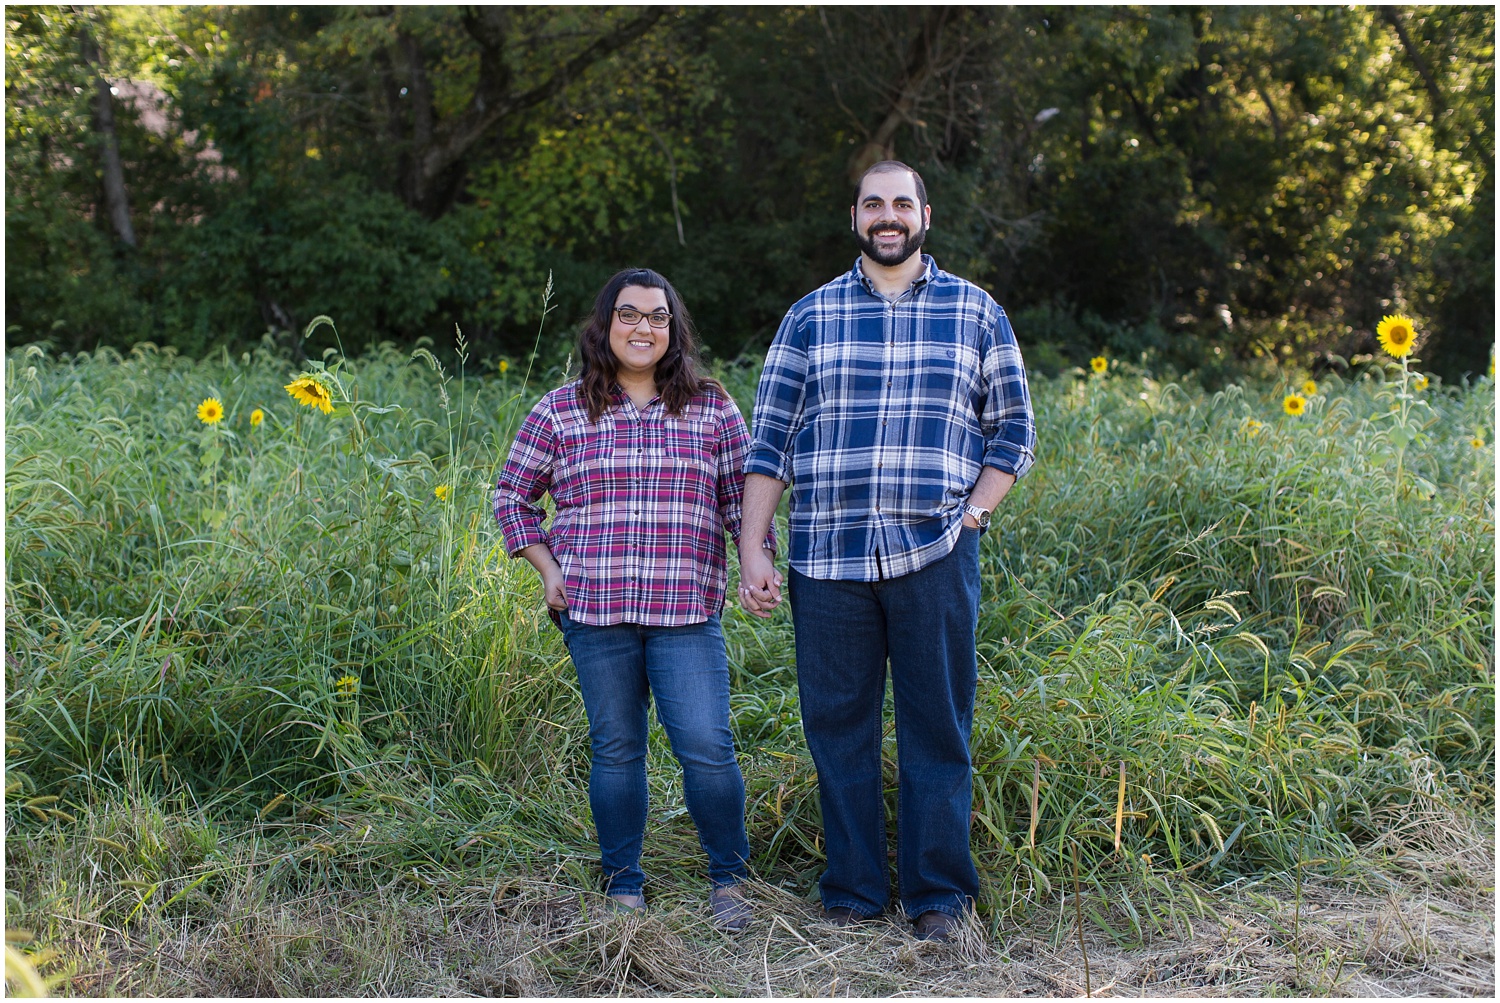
(1422, 930)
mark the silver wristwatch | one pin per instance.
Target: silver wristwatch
(981, 515)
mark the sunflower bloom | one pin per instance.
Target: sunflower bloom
(1294, 404)
(1252, 427)
(1477, 442)
(211, 411)
(1397, 336)
(1420, 383)
(256, 417)
(441, 491)
(306, 390)
(504, 366)
(1099, 364)
(347, 686)
(1310, 387)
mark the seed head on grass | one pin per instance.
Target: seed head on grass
(1294, 404)
(306, 390)
(1397, 336)
(211, 411)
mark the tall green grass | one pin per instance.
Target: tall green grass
(1281, 638)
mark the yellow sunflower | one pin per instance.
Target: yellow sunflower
(1477, 442)
(504, 366)
(1420, 383)
(347, 686)
(211, 412)
(1310, 387)
(306, 390)
(1098, 363)
(441, 491)
(256, 417)
(1253, 427)
(1294, 404)
(1397, 336)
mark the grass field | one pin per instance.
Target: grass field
(282, 718)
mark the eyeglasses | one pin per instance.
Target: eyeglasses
(629, 315)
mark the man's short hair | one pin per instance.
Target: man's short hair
(892, 167)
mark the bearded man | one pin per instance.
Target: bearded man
(894, 403)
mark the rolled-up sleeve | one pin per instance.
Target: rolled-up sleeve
(778, 403)
(526, 476)
(734, 446)
(1006, 421)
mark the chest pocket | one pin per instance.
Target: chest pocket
(688, 441)
(587, 445)
(950, 371)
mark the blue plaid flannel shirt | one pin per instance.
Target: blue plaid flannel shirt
(880, 413)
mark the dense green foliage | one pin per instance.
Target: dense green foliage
(1199, 185)
(1278, 629)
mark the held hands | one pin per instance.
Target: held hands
(760, 584)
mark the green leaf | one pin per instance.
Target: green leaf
(212, 455)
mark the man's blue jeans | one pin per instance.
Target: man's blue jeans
(620, 668)
(924, 623)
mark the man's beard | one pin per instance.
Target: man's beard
(895, 256)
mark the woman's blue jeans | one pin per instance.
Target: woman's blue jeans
(620, 669)
(924, 624)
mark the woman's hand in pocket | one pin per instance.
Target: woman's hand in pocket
(553, 590)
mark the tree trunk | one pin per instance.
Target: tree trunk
(1392, 16)
(921, 56)
(437, 163)
(116, 205)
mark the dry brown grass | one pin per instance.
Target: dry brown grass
(1419, 924)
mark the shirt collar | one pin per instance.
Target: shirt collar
(621, 397)
(929, 272)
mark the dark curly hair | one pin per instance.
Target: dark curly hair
(679, 375)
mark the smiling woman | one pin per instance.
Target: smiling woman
(643, 458)
(639, 333)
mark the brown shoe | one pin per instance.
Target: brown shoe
(842, 916)
(731, 909)
(936, 926)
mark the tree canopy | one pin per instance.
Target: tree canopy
(1194, 185)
